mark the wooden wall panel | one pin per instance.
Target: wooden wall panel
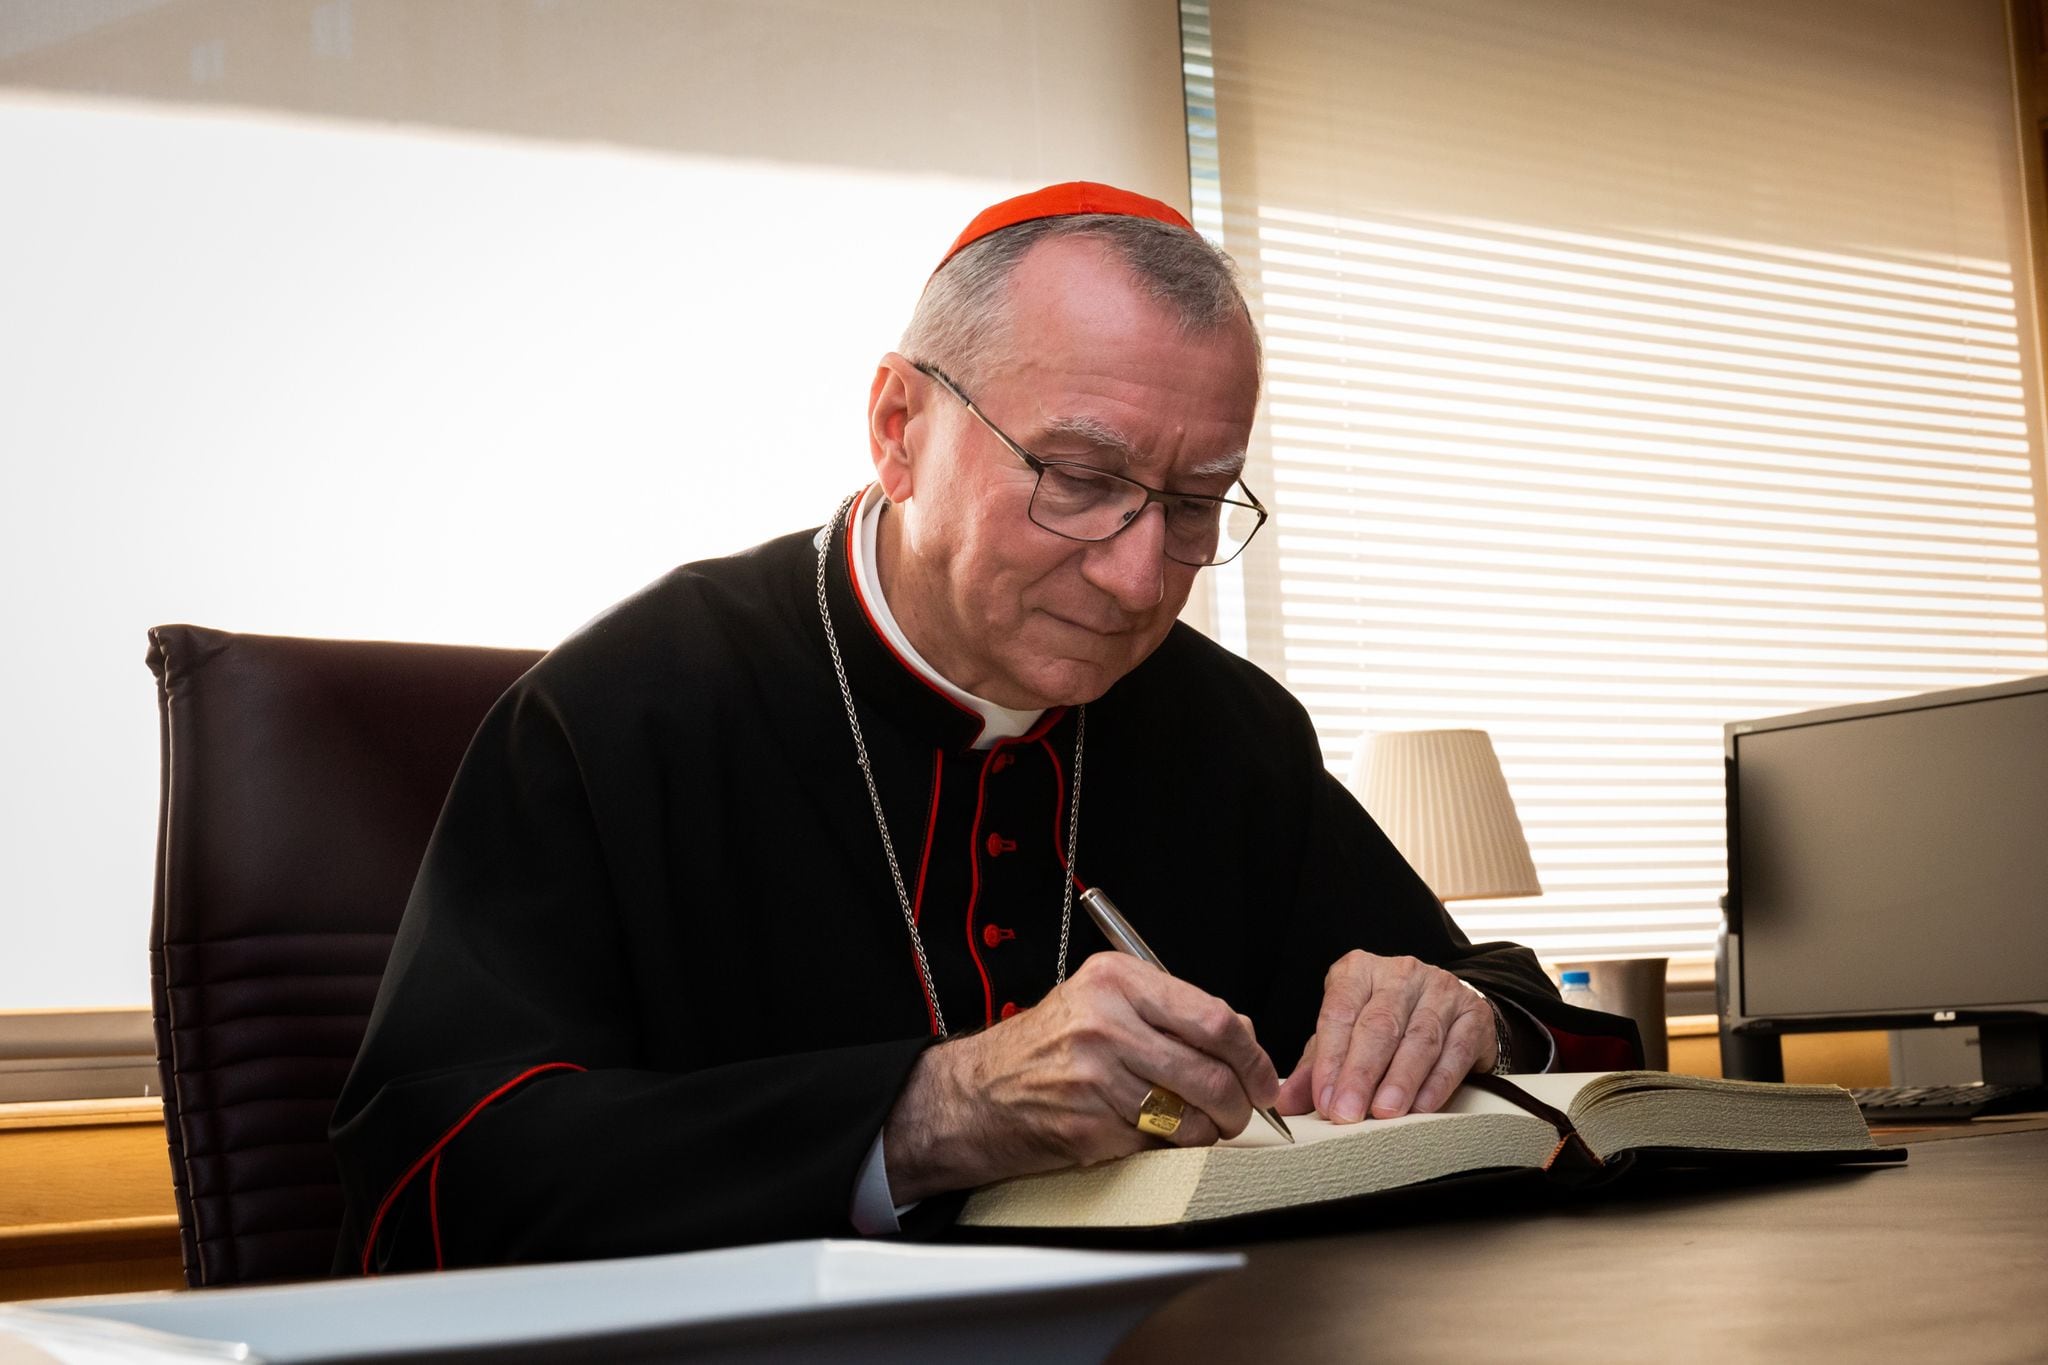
(85, 1199)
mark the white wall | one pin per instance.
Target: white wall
(386, 321)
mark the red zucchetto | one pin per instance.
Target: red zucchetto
(1062, 201)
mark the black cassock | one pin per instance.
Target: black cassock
(654, 991)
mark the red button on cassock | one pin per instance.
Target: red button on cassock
(1009, 1008)
(992, 934)
(998, 845)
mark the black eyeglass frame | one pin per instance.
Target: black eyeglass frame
(1039, 465)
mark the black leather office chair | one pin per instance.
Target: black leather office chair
(301, 780)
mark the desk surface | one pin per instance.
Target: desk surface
(1944, 1258)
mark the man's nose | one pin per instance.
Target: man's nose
(1131, 565)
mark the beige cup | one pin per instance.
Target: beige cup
(1635, 987)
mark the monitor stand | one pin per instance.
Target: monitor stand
(1934, 1056)
(2013, 1052)
(1751, 1056)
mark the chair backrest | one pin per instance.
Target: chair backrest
(301, 780)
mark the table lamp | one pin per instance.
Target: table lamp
(1441, 797)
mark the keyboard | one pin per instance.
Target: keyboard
(1912, 1103)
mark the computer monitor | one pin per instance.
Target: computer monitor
(1888, 868)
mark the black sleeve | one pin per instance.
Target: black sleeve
(1355, 890)
(501, 1108)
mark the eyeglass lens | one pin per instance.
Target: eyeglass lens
(1093, 505)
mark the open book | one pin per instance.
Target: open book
(1579, 1128)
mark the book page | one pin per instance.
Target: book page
(1616, 1110)
(1559, 1089)
(1347, 1159)
(1465, 1100)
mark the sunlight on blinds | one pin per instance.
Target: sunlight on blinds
(1601, 530)
(1600, 492)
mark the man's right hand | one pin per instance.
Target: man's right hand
(1060, 1084)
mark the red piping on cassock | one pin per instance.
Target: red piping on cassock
(433, 1156)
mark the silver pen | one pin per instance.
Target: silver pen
(1125, 939)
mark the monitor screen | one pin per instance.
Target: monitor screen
(1893, 858)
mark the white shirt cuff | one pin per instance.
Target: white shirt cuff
(874, 1213)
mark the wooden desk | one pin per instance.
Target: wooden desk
(1944, 1258)
(1940, 1259)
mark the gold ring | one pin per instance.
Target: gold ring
(1160, 1114)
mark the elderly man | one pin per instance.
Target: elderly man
(751, 912)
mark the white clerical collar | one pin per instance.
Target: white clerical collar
(997, 722)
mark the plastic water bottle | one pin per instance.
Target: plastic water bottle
(1577, 989)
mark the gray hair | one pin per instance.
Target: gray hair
(962, 323)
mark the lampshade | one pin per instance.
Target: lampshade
(1440, 796)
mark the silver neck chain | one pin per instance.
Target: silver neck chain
(867, 772)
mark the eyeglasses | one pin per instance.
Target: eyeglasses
(1081, 502)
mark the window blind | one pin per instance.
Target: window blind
(1596, 418)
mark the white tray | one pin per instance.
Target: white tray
(790, 1301)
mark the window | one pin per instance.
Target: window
(451, 323)
(1630, 370)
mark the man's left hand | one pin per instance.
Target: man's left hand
(1393, 1030)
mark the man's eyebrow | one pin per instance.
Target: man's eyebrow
(1122, 450)
(1095, 432)
(1231, 464)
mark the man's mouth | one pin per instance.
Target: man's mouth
(1091, 628)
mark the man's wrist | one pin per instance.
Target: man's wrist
(930, 1139)
(1521, 1043)
(1534, 1047)
(1503, 1039)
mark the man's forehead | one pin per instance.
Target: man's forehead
(1093, 362)
(1074, 302)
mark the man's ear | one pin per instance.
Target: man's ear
(889, 415)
